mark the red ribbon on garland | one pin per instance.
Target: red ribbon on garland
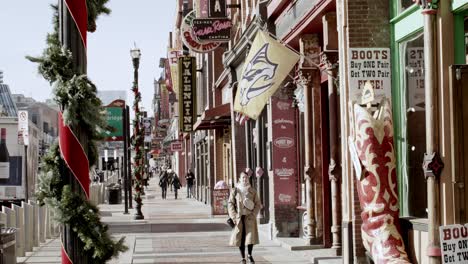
(79, 13)
(74, 155)
(65, 258)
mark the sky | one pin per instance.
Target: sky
(24, 25)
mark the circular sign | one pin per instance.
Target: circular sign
(189, 38)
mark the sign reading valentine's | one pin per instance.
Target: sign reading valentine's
(214, 29)
(284, 151)
(189, 38)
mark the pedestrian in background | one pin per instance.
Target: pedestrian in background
(175, 183)
(163, 181)
(243, 207)
(170, 174)
(190, 177)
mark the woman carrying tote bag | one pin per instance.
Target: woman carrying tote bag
(243, 208)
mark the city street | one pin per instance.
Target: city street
(174, 231)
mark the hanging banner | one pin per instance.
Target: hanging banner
(172, 57)
(187, 95)
(212, 29)
(373, 65)
(284, 151)
(168, 75)
(147, 128)
(266, 66)
(189, 38)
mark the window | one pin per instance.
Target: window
(414, 127)
(404, 4)
(466, 39)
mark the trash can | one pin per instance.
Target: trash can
(7, 246)
(114, 193)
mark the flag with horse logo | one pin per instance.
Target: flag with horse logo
(266, 66)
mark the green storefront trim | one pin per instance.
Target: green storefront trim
(404, 26)
(460, 11)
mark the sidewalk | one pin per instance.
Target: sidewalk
(173, 231)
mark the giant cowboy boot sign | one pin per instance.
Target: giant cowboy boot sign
(377, 184)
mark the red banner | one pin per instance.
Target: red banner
(284, 151)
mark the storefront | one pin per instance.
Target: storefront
(437, 124)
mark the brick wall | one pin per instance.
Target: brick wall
(368, 23)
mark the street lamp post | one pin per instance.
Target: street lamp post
(138, 136)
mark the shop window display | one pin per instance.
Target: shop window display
(412, 56)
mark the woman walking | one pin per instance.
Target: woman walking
(243, 208)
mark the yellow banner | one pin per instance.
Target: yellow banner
(266, 66)
(172, 56)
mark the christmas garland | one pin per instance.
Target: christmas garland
(76, 95)
(138, 142)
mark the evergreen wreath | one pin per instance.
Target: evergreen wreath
(77, 96)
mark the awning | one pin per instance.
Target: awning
(216, 117)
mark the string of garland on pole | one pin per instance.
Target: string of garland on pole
(80, 108)
(138, 138)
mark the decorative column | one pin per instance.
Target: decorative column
(309, 78)
(328, 61)
(73, 141)
(432, 164)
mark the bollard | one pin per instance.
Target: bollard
(19, 230)
(2, 219)
(35, 227)
(10, 216)
(42, 238)
(47, 223)
(28, 226)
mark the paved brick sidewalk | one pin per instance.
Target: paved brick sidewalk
(174, 231)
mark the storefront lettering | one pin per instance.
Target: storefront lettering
(283, 172)
(283, 106)
(186, 96)
(189, 38)
(215, 27)
(284, 142)
(283, 121)
(284, 198)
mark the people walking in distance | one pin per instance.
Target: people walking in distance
(175, 183)
(169, 178)
(163, 181)
(190, 177)
(243, 207)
